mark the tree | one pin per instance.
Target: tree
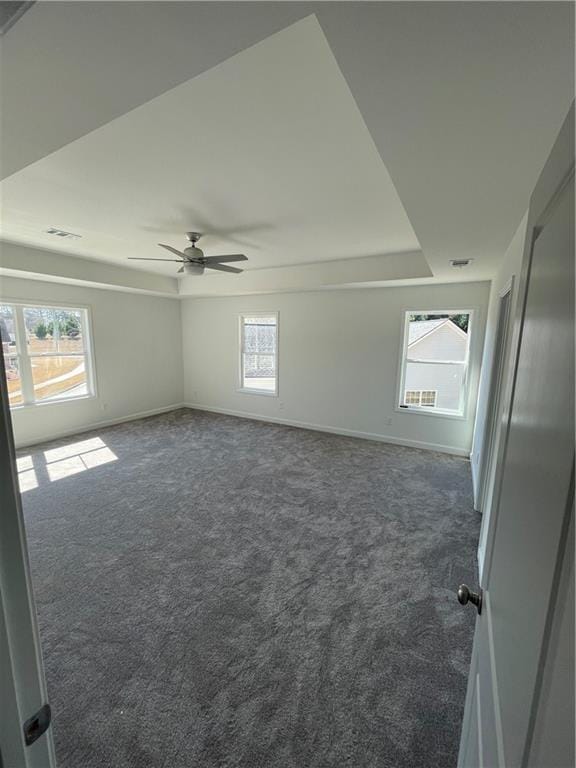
(41, 331)
(460, 320)
(72, 326)
(65, 324)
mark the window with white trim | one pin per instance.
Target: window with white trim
(259, 353)
(46, 353)
(434, 367)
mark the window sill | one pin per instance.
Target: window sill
(435, 412)
(61, 401)
(246, 391)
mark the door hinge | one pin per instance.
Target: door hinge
(38, 724)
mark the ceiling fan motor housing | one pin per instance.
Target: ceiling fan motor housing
(194, 253)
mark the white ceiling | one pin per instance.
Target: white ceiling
(459, 104)
(281, 168)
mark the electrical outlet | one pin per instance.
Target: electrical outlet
(280, 406)
(388, 421)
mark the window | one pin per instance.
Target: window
(434, 370)
(46, 353)
(426, 397)
(259, 353)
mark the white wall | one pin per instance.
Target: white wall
(510, 268)
(138, 351)
(338, 360)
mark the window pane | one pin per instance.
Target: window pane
(428, 398)
(412, 398)
(438, 337)
(58, 377)
(53, 330)
(7, 328)
(436, 360)
(445, 379)
(13, 380)
(259, 353)
(8, 338)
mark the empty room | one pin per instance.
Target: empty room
(287, 379)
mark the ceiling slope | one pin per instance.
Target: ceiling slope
(269, 146)
(71, 67)
(462, 100)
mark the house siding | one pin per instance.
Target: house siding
(444, 343)
(445, 379)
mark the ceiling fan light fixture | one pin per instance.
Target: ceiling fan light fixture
(193, 260)
(193, 269)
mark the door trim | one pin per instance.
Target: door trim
(558, 172)
(23, 658)
(495, 394)
(555, 176)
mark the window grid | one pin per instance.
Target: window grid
(46, 352)
(412, 397)
(420, 397)
(259, 353)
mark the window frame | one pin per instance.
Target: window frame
(24, 358)
(425, 410)
(240, 383)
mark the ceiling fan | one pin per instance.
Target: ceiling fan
(193, 260)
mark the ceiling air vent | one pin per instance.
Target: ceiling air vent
(62, 233)
(459, 263)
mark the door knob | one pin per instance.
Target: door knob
(465, 596)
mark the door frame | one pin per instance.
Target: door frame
(557, 174)
(21, 665)
(495, 391)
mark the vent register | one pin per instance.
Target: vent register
(62, 233)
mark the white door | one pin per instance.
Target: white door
(528, 543)
(23, 711)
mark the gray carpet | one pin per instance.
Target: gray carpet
(233, 593)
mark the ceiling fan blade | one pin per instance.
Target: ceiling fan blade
(173, 250)
(223, 268)
(139, 258)
(225, 258)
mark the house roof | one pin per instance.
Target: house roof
(419, 328)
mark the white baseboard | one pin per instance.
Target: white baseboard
(333, 430)
(98, 425)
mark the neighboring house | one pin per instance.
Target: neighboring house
(435, 383)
